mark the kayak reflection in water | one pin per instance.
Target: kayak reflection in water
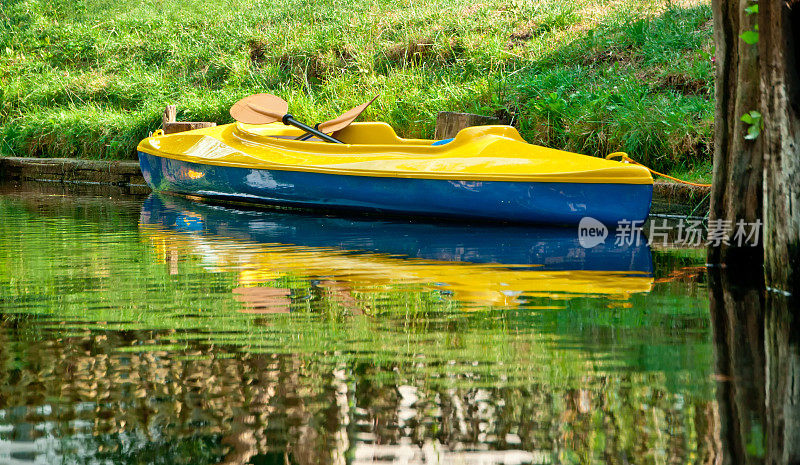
(475, 264)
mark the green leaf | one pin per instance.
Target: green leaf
(752, 9)
(753, 132)
(753, 118)
(749, 37)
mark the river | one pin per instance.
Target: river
(158, 330)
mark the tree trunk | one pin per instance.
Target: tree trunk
(780, 84)
(737, 178)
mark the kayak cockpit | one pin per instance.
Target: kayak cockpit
(372, 133)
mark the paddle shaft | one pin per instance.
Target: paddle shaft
(307, 136)
(289, 120)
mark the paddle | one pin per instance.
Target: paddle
(340, 122)
(268, 108)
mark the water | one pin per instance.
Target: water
(159, 330)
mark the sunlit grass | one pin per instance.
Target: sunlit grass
(90, 78)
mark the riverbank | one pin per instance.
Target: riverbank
(90, 79)
(123, 174)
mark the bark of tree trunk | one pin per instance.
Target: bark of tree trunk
(780, 85)
(737, 178)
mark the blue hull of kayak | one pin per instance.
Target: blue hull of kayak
(528, 202)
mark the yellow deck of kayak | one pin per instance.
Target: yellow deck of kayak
(482, 153)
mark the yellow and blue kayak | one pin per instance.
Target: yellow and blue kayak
(485, 172)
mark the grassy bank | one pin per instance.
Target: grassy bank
(89, 78)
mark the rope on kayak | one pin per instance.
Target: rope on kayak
(624, 157)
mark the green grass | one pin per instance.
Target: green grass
(90, 78)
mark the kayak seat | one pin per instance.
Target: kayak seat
(372, 133)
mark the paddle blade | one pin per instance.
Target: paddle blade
(345, 119)
(259, 109)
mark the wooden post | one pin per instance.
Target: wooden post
(170, 113)
(180, 126)
(170, 126)
(449, 123)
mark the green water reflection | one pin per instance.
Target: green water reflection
(162, 331)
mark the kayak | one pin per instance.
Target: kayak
(485, 172)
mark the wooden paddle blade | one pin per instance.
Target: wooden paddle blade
(259, 109)
(345, 119)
